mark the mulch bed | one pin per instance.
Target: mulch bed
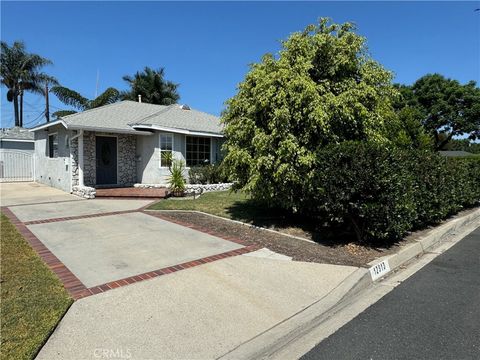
(338, 254)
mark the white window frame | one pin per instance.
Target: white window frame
(48, 146)
(160, 147)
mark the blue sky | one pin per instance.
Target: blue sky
(207, 46)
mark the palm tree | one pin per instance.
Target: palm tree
(20, 72)
(72, 98)
(152, 86)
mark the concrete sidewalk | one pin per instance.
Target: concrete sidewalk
(202, 312)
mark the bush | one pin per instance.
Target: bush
(366, 186)
(382, 192)
(207, 174)
(176, 181)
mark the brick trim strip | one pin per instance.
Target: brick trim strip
(77, 217)
(43, 203)
(78, 290)
(71, 283)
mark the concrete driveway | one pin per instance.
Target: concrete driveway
(103, 240)
(31, 193)
(156, 289)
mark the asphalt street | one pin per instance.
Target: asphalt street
(434, 314)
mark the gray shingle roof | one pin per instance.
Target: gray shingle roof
(124, 115)
(115, 116)
(16, 133)
(174, 116)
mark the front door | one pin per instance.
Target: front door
(106, 151)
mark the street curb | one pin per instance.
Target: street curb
(273, 340)
(280, 335)
(428, 241)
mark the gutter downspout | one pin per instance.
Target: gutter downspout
(80, 159)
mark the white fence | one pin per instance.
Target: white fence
(16, 165)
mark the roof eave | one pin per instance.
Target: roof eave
(49, 124)
(176, 130)
(17, 140)
(109, 130)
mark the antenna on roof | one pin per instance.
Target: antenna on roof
(96, 86)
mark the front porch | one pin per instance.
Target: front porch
(103, 160)
(131, 192)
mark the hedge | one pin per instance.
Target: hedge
(207, 174)
(383, 192)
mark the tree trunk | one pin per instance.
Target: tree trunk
(357, 229)
(21, 108)
(15, 108)
(444, 142)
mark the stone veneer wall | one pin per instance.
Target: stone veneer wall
(127, 174)
(74, 157)
(127, 171)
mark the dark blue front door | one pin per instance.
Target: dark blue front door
(106, 151)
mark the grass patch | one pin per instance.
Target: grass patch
(33, 299)
(229, 204)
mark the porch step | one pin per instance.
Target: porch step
(132, 193)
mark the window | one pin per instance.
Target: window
(53, 145)
(166, 147)
(198, 150)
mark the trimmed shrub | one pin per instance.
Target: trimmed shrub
(382, 192)
(207, 174)
(366, 186)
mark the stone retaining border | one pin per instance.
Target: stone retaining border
(190, 189)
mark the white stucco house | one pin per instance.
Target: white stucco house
(122, 144)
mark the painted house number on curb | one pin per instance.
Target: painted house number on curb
(377, 271)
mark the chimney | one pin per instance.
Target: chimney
(139, 98)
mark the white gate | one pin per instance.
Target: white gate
(16, 165)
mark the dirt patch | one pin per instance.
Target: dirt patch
(344, 254)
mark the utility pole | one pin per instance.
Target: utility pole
(21, 108)
(47, 104)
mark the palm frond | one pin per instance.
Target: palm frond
(70, 97)
(61, 113)
(109, 96)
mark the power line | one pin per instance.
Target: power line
(38, 117)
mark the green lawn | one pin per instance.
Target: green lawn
(239, 206)
(222, 203)
(32, 298)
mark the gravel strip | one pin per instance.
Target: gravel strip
(348, 254)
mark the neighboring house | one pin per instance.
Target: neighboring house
(16, 138)
(124, 143)
(16, 155)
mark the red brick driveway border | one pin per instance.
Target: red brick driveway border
(78, 290)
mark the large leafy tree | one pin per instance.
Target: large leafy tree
(322, 88)
(445, 107)
(72, 98)
(152, 87)
(20, 71)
